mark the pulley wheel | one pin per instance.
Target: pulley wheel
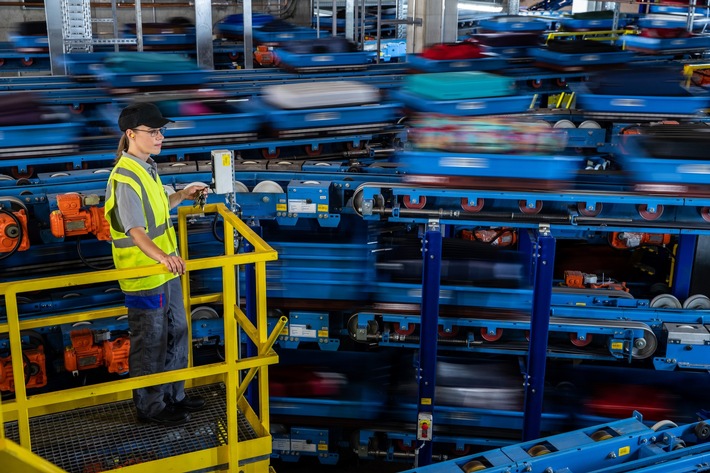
(491, 337)
(269, 187)
(600, 435)
(663, 425)
(705, 213)
(538, 450)
(580, 342)
(586, 212)
(523, 206)
(451, 333)
(400, 331)
(665, 301)
(410, 203)
(702, 430)
(468, 207)
(697, 302)
(203, 313)
(646, 215)
(473, 465)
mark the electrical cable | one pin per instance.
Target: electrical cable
(89, 263)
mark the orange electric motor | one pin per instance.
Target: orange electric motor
(13, 231)
(86, 353)
(79, 215)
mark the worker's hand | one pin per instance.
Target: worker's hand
(195, 191)
(175, 264)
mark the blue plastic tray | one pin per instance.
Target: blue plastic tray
(488, 165)
(153, 79)
(328, 117)
(215, 124)
(509, 51)
(303, 61)
(643, 43)
(281, 36)
(587, 59)
(513, 23)
(29, 42)
(490, 63)
(642, 104)
(470, 107)
(588, 24)
(668, 21)
(664, 170)
(39, 135)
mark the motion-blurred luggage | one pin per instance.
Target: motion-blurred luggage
(449, 51)
(459, 85)
(320, 94)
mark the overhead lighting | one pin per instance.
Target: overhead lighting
(482, 7)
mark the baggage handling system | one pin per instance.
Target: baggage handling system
(624, 445)
(576, 226)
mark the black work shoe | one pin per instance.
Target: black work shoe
(191, 404)
(168, 416)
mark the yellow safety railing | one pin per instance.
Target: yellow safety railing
(231, 371)
(690, 69)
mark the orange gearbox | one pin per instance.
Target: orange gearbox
(13, 231)
(34, 366)
(79, 215)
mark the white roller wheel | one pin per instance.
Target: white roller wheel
(697, 302)
(563, 124)
(663, 425)
(665, 301)
(240, 187)
(268, 187)
(203, 313)
(589, 124)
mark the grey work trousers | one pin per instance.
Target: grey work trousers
(158, 325)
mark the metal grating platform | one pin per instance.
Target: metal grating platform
(108, 437)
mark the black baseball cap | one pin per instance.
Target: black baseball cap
(143, 113)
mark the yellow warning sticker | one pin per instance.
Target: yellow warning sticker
(624, 451)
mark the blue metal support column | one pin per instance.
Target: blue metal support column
(428, 336)
(539, 327)
(684, 260)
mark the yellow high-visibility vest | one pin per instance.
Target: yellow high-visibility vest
(159, 226)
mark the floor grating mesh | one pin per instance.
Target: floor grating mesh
(108, 437)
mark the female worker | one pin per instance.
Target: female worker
(138, 210)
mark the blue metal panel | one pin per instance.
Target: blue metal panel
(540, 319)
(431, 280)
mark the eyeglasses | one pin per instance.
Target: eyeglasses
(154, 133)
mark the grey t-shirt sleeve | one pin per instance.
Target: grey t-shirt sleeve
(129, 208)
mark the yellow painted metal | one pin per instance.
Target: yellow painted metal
(689, 69)
(248, 456)
(15, 459)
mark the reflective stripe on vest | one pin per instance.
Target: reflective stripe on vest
(159, 227)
